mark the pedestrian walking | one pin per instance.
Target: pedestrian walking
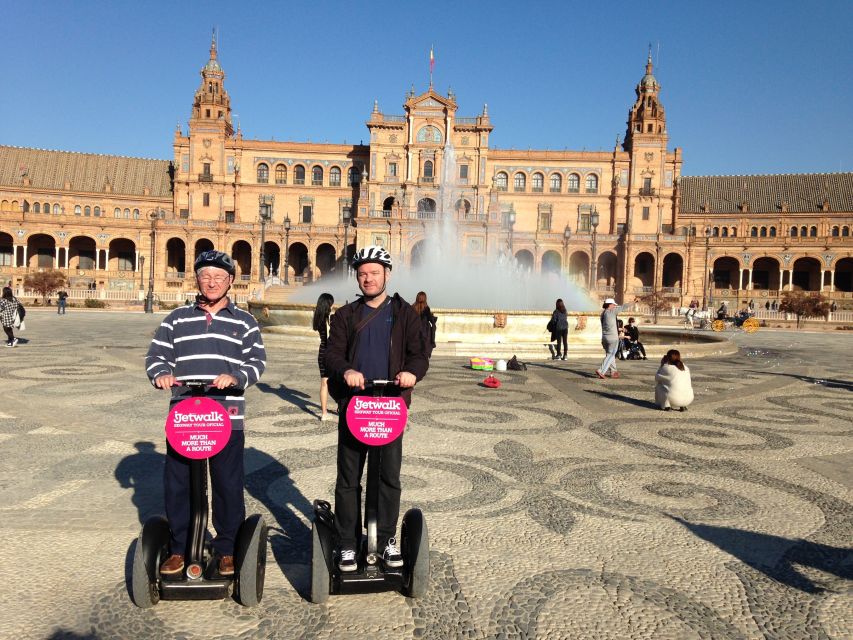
(428, 322)
(10, 315)
(560, 331)
(322, 311)
(61, 298)
(609, 339)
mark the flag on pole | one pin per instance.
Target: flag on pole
(431, 60)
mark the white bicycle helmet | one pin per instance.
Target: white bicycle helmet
(373, 253)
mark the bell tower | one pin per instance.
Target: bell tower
(647, 119)
(211, 104)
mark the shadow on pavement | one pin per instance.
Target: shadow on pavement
(775, 556)
(292, 396)
(645, 404)
(271, 485)
(829, 383)
(143, 472)
(62, 634)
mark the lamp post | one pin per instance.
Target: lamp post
(593, 220)
(287, 250)
(567, 235)
(141, 273)
(346, 216)
(265, 203)
(149, 300)
(706, 282)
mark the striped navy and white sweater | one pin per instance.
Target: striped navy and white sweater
(191, 344)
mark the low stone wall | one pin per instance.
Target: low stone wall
(485, 333)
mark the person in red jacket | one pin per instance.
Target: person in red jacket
(376, 337)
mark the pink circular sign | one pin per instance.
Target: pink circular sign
(376, 421)
(198, 428)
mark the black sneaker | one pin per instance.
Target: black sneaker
(391, 556)
(347, 561)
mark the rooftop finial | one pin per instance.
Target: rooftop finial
(649, 60)
(213, 45)
(485, 109)
(376, 106)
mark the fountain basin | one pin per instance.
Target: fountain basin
(499, 334)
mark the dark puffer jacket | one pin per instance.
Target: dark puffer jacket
(406, 354)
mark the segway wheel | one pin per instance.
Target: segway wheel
(319, 569)
(251, 561)
(415, 550)
(151, 546)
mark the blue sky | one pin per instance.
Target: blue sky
(748, 87)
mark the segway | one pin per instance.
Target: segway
(198, 428)
(376, 419)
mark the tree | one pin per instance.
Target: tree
(45, 282)
(804, 305)
(657, 302)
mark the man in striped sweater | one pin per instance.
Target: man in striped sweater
(209, 340)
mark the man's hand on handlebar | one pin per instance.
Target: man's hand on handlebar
(354, 379)
(166, 382)
(405, 379)
(223, 381)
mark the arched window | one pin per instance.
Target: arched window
(117, 212)
(519, 182)
(354, 175)
(37, 209)
(753, 232)
(56, 209)
(835, 230)
(592, 183)
(136, 214)
(501, 180)
(335, 177)
(813, 232)
(725, 232)
(793, 232)
(763, 233)
(574, 183)
(317, 176)
(299, 174)
(263, 173)
(772, 232)
(46, 207)
(538, 182)
(734, 232)
(77, 210)
(127, 213)
(87, 211)
(804, 231)
(556, 182)
(845, 231)
(715, 232)
(428, 169)
(280, 174)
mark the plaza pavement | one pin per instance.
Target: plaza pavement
(559, 506)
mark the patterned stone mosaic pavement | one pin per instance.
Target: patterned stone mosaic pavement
(559, 506)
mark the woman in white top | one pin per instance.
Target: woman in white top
(673, 389)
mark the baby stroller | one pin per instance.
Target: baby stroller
(632, 350)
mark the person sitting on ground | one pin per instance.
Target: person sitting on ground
(632, 333)
(673, 388)
(623, 342)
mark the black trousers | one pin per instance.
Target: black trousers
(226, 480)
(352, 455)
(562, 338)
(10, 334)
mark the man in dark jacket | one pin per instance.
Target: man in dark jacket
(375, 337)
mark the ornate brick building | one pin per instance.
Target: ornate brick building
(623, 222)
